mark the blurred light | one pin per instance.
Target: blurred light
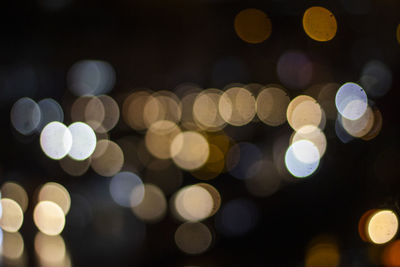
(83, 141)
(304, 110)
(159, 137)
(351, 101)
(50, 110)
(398, 33)
(187, 120)
(75, 167)
(56, 140)
(312, 134)
(382, 226)
(56, 193)
(376, 78)
(25, 116)
(49, 218)
(162, 105)
(15, 192)
(362, 224)
(323, 252)
(265, 182)
(205, 110)
(271, 105)
(361, 126)
(13, 245)
(319, 24)
(107, 159)
(391, 254)
(252, 25)
(237, 217)
(244, 160)
(341, 133)
(189, 150)
(133, 110)
(121, 187)
(326, 98)
(294, 69)
(93, 111)
(153, 206)
(111, 115)
(193, 203)
(12, 216)
(91, 77)
(214, 165)
(193, 238)
(237, 106)
(377, 126)
(302, 158)
(50, 249)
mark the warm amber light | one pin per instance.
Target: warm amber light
(12, 216)
(382, 226)
(49, 218)
(56, 193)
(15, 192)
(252, 25)
(319, 24)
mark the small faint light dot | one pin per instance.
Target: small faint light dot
(50, 249)
(237, 106)
(153, 206)
(121, 187)
(351, 101)
(271, 105)
(83, 141)
(319, 24)
(189, 150)
(302, 158)
(382, 226)
(56, 140)
(12, 217)
(25, 116)
(252, 25)
(49, 218)
(193, 238)
(56, 193)
(13, 245)
(107, 159)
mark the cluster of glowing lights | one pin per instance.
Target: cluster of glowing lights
(378, 226)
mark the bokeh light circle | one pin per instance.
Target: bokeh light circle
(252, 25)
(25, 115)
(382, 226)
(122, 186)
(302, 158)
(12, 216)
(351, 101)
(15, 192)
(83, 141)
(49, 218)
(56, 193)
(193, 238)
(56, 140)
(319, 24)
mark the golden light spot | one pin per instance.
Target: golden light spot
(94, 112)
(271, 105)
(162, 105)
(313, 134)
(213, 167)
(56, 193)
(159, 137)
(215, 196)
(193, 203)
(133, 109)
(107, 159)
(237, 106)
(304, 110)
(193, 238)
(153, 206)
(75, 167)
(205, 110)
(12, 216)
(391, 254)
(189, 150)
(361, 126)
(252, 25)
(382, 226)
(50, 249)
(49, 218)
(13, 245)
(362, 224)
(111, 115)
(323, 252)
(187, 120)
(319, 24)
(15, 192)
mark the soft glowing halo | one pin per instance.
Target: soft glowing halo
(252, 25)
(50, 111)
(302, 158)
(153, 206)
(382, 226)
(25, 116)
(108, 158)
(56, 193)
(351, 101)
(121, 187)
(313, 134)
(189, 150)
(193, 238)
(12, 246)
(49, 218)
(50, 249)
(15, 192)
(319, 24)
(83, 141)
(12, 217)
(56, 140)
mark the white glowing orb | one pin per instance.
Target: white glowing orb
(351, 101)
(302, 158)
(56, 140)
(83, 141)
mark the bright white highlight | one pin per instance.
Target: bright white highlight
(56, 140)
(302, 158)
(83, 141)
